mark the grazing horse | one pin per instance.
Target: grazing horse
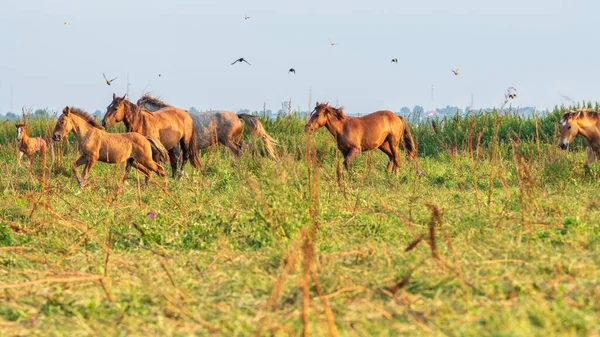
(223, 127)
(170, 125)
(96, 144)
(29, 146)
(585, 122)
(381, 129)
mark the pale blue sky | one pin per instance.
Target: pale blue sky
(544, 48)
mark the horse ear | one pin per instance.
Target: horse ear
(66, 110)
(124, 96)
(114, 96)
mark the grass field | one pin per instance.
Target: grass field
(252, 246)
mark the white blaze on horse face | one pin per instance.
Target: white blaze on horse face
(565, 123)
(18, 133)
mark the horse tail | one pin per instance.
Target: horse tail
(258, 130)
(193, 150)
(158, 147)
(408, 142)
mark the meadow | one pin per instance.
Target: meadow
(499, 237)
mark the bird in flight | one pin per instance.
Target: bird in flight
(512, 96)
(292, 70)
(332, 43)
(159, 75)
(394, 60)
(246, 17)
(455, 71)
(241, 59)
(66, 23)
(107, 80)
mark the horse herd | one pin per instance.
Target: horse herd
(157, 131)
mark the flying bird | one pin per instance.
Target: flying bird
(159, 75)
(241, 59)
(332, 43)
(455, 71)
(292, 70)
(394, 60)
(246, 17)
(512, 96)
(107, 80)
(66, 23)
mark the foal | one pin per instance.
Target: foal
(585, 122)
(95, 144)
(29, 146)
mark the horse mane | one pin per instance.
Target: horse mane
(86, 116)
(581, 113)
(338, 112)
(148, 98)
(137, 117)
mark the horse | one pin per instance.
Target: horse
(381, 129)
(585, 122)
(29, 146)
(95, 144)
(224, 127)
(171, 126)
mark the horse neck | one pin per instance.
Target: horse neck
(133, 118)
(591, 132)
(334, 125)
(81, 127)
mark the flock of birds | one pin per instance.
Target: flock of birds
(511, 92)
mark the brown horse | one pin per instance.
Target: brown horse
(224, 127)
(170, 125)
(381, 129)
(29, 146)
(585, 122)
(96, 144)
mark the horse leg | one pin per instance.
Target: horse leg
(385, 147)
(82, 160)
(20, 157)
(349, 155)
(233, 146)
(394, 144)
(185, 154)
(174, 156)
(88, 166)
(142, 169)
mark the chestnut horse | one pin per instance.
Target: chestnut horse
(29, 146)
(381, 129)
(585, 122)
(170, 125)
(96, 144)
(224, 127)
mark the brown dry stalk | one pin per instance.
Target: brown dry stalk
(52, 280)
(343, 290)
(284, 271)
(414, 243)
(402, 283)
(326, 307)
(71, 250)
(435, 219)
(307, 249)
(209, 327)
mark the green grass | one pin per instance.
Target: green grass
(526, 264)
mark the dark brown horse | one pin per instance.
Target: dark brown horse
(585, 122)
(224, 127)
(95, 144)
(170, 125)
(382, 129)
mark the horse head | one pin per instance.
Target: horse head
(318, 118)
(115, 112)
